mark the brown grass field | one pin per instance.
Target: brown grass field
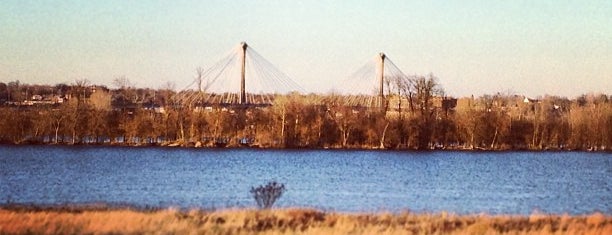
(285, 221)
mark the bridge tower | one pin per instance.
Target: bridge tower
(243, 48)
(381, 78)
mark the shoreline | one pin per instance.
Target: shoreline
(350, 148)
(103, 219)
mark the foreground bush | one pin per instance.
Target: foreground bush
(266, 196)
(288, 221)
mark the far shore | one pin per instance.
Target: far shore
(118, 220)
(238, 146)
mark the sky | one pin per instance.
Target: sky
(533, 47)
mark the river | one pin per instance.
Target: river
(331, 180)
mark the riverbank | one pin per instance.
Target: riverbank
(235, 146)
(101, 220)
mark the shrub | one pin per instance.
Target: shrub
(265, 196)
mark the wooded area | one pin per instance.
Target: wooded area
(417, 116)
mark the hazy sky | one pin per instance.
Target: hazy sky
(475, 47)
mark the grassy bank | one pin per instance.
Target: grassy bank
(286, 221)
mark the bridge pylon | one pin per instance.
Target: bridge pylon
(243, 47)
(381, 79)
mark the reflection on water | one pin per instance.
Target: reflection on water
(352, 181)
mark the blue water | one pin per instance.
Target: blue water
(334, 180)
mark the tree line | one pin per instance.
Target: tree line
(416, 115)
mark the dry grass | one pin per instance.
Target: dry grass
(286, 221)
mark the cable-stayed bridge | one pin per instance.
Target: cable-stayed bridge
(372, 83)
(245, 78)
(242, 77)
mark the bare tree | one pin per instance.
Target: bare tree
(100, 100)
(425, 89)
(79, 89)
(122, 82)
(266, 195)
(126, 90)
